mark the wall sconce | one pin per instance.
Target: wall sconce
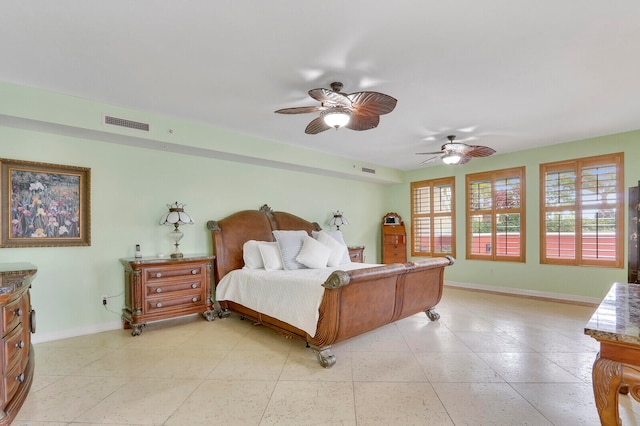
(176, 217)
(338, 220)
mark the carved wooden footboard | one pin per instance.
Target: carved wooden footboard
(354, 302)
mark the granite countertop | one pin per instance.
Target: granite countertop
(618, 316)
(14, 275)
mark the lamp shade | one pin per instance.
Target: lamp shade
(452, 158)
(176, 215)
(336, 116)
(338, 219)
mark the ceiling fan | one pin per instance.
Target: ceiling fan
(457, 152)
(355, 111)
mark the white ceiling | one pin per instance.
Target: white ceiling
(507, 74)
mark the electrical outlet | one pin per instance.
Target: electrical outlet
(104, 300)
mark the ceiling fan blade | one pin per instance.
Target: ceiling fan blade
(363, 123)
(480, 151)
(429, 160)
(300, 110)
(330, 97)
(464, 159)
(429, 153)
(372, 103)
(316, 126)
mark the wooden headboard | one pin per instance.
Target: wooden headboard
(229, 234)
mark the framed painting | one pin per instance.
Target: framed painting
(44, 205)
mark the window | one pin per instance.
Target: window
(495, 215)
(433, 217)
(581, 211)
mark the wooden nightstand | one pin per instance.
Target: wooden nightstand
(161, 288)
(356, 253)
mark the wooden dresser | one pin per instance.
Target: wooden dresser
(394, 239)
(18, 322)
(162, 288)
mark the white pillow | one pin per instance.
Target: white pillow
(337, 249)
(290, 243)
(313, 254)
(270, 256)
(337, 235)
(251, 255)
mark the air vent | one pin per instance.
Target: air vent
(368, 170)
(130, 124)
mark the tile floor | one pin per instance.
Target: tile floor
(490, 360)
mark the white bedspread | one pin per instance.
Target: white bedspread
(290, 296)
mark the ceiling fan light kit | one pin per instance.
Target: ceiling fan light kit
(451, 159)
(336, 116)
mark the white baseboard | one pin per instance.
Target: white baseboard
(560, 297)
(75, 332)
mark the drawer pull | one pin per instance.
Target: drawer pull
(194, 271)
(20, 378)
(20, 344)
(158, 290)
(32, 320)
(159, 305)
(194, 300)
(158, 274)
(18, 312)
(194, 285)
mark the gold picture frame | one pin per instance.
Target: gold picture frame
(44, 205)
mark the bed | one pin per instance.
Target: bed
(353, 298)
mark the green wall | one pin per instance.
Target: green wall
(217, 172)
(532, 278)
(131, 186)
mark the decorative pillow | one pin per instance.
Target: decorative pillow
(337, 249)
(337, 235)
(313, 254)
(290, 243)
(270, 253)
(251, 255)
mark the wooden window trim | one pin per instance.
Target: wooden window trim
(492, 176)
(433, 183)
(578, 165)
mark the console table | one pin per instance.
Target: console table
(616, 324)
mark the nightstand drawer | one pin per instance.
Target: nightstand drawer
(12, 380)
(166, 286)
(14, 347)
(12, 314)
(160, 273)
(174, 302)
